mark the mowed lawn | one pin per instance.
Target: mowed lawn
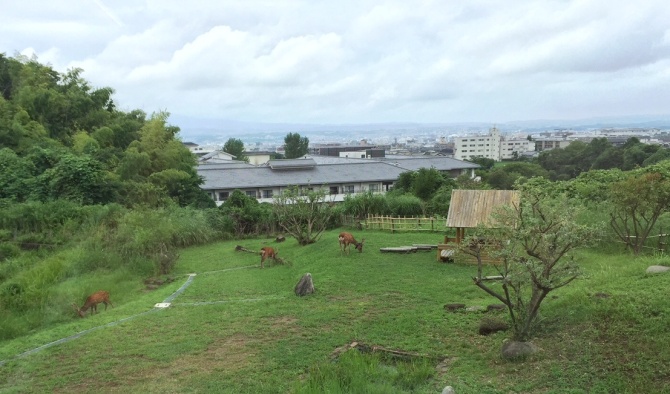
(238, 328)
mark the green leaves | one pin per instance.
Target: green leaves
(302, 213)
(235, 147)
(295, 146)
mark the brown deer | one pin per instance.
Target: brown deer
(346, 240)
(92, 303)
(266, 252)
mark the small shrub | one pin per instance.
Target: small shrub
(5, 235)
(406, 205)
(8, 250)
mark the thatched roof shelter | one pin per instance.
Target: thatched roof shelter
(470, 208)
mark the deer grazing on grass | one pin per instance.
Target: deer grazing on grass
(266, 252)
(92, 303)
(346, 240)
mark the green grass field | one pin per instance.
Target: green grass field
(239, 329)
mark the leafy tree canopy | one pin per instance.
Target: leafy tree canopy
(235, 147)
(295, 146)
(69, 141)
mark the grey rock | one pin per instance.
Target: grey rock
(514, 350)
(448, 390)
(657, 269)
(305, 285)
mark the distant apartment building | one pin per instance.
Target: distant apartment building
(200, 150)
(469, 147)
(491, 146)
(550, 143)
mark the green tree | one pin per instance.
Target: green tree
(426, 182)
(660, 155)
(295, 146)
(504, 177)
(302, 215)
(245, 213)
(588, 156)
(535, 242)
(638, 201)
(78, 178)
(485, 163)
(235, 147)
(633, 156)
(563, 163)
(16, 176)
(610, 158)
(363, 204)
(404, 184)
(439, 203)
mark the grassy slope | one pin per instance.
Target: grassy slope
(264, 338)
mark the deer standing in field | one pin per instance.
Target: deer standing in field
(266, 252)
(346, 240)
(92, 303)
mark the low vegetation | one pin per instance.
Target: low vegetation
(237, 328)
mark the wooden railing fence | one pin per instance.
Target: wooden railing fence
(398, 224)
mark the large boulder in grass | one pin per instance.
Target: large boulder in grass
(657, 269)
(448, 390)
(305, 285)
(513, 350)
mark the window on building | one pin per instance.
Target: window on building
(373, 187)
(333, 190)
(251, 193)
(223, 196)
(348, 189)
(267, 193)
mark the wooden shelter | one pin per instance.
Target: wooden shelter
(469, 209)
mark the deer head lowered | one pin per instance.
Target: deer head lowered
(346, 240)
(92, 302)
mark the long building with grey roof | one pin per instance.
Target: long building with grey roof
(337, 177)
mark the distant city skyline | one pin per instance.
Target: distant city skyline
(218, 131)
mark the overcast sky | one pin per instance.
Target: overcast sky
(323, 61)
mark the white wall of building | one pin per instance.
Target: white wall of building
(492, 146)
(509, 147)
(335, 193)
(354, 154)
(468, 147)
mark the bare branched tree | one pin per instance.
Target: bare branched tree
(302, 213)
(533, 243)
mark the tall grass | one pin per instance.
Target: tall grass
(354, 372)
(104, 240)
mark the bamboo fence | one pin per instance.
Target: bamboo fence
(407, 223)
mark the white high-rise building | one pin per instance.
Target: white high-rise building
(472, 146)
(491, 146)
